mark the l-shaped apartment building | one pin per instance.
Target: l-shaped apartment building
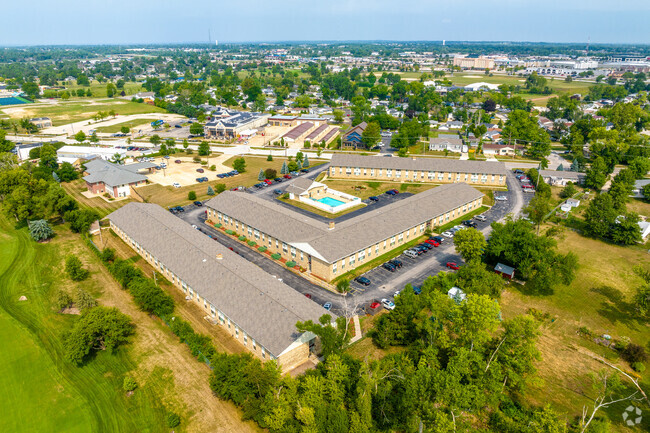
(252, 305)
(433, 170)
(329, 250)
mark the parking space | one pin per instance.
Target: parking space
(185, 172)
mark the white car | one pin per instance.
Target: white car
(176, 185)
(448, 234)
(501, 198)
(480, 217)
(396, 294)
(388, 304)
(194, 227)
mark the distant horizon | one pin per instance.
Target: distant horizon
(127, 22)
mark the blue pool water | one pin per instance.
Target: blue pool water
(330, 201)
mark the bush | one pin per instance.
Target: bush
(218, 225)
(74, 268)
(84, 300)
(40, 230)
(639, 367)
(213, 167)
(107, 255)
(173, 420)
(150, 297)
(270, 173)
(129, 384)
(239, 164)
(262, 249)
(200, 345)
(221, 187)
(61, 300)
(252, 243)
(290, 264)
(268, 158)
(242, 238)
(196, 159)
(191, 195)
(275, 256)
(230, 232)
(634, 353)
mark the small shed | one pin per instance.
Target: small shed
(505, 271)
(573, 202)
(456, 294)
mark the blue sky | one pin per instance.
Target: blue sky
(41, 22)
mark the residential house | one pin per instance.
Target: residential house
(352, 137)
(637, 190)
(449, 143)
(114, 179)
(561, 178)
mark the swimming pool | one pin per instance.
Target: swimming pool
(330, 201)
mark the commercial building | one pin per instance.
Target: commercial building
(114, 179)
(233, 126)
(75, 154)
(328, 250)
(474, 62)
(255, 308)
(435, 170)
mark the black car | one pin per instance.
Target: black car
(362, 280)
(389, 266)
(198, 203)
(426, 245)
(396, 263)
(277, 191)
(469, 223)
(438, 239)
(278, 180)
(373, 198)
(304, 170)
(421, 248)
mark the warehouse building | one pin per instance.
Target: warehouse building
(435, 170)
(327, 251)
(254, 307)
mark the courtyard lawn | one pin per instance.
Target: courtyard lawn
(365, 189)
(41, 391)
(317, 211)
(598, 299)
(129, 124)
(75, 111)
(103, 207)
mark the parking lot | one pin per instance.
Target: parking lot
(185, 173)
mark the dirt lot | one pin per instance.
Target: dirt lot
(185, 173)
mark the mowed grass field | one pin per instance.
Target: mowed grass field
(129, 124)
(167, 196)
(41, 391)
(63, 113)
(103, 207)
(365, 189)
(99, 89)
(599, 299)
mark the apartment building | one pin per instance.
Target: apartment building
(434, 170)
(256, 309)
(328, 250)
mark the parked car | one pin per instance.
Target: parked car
(501, 198)
(452, 265)
(304, 170)
(267, 181)
(176, 185)
(278, 180)
(194, 227)
(411, 253)
(519, 171)
(373, 198)
(421, 248)
(327, 306)
(438, 239)
(199, 170)
(396, 263)
(178, 161)
(374, 305)
(277, 191)
(362, 280)
(480, 217)
(392, 192)
(389, 267)
(469, 223)
(198, 203)
(396, 294)
(307, 295)
(287, 176)
(199, 179)
(448, 234)
(417, 290)
(432, 242)
(387, 304)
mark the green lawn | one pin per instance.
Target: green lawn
(99, 89)
(317, 211)
(79, 110)
(129, 124)
(103, 207)
(41, 391)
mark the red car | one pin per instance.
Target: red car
(287, 176)
(268, 182)
(178, 161)
(452, 265)
(308, 295)
(200, 170)
(375, 305)
(432, 242)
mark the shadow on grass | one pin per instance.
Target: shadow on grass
(615, 308)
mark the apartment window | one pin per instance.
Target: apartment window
(406, 173)
(389, 172)
(385, 244)
(484, 178)
(398, 173)
(474, 177)
(293, 252)
(365, 172)
(440, 176)
(343, 264)
(400, 238)
(431, 175)
(236, 331)
(250, 231)
(191, 292)
(500, 179)
(357, 171)
(212, 309)
(228, 323)
(348, 170)
(422, 227)
(301, 256)
(372, 172)
(466, 175)
(351, 260)
(257, 234)
(492, 179)
(340, 170)
(377, 248)
(333, 171)
(221, 318)
(408, 233)
(392, 241)
(362, 255)
(263, 353)
(449, 177)
(237, 224)
(277, 244)
(245, 339)
(380, 172)
(284, 247)
(334, 268)
(254, 344)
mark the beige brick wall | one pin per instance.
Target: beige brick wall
(383, 174)
(294, 357)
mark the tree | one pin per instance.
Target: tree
(489, 105)
(284, 169)
(191, 195)
(129, 384)
(117, 159)
(370, 136)
(538, 209)
(210, 191)
(270, 173)
(596, 175)
(173, 420)
(600, 216)
(84, 300)
(221, 187)
(305, 162)
(204, 148)
(470, 244)
(625, 230)
(80, 220)
(80, 136)
(568, 191)
(646, 191)
(155, 139)
(333, 339)
(261, 175)
(98, 328)
(269, 158)
(31, 89)
(196, 129)
(93, 138)
(74, 268)
(40, 230)
(239, 164)
(338, 116)
(61, 300)
(151, 298)
(622, 187)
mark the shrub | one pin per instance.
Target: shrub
(268, 158)
(74, 268)
(40, 230)
(270, 173)
(221, 187)
(262, 249)
(639, 367)
(252, 243)
(107, 255)
(275, 256)
(290, 264)
(218, 225)
(213, 167)
(230, 232)
(634, 353)
(197, 159)
(84, 300)
(242, 238)
(61, 300)
(200, 345)
(173, 420)
(150, 297)
(129, 384)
